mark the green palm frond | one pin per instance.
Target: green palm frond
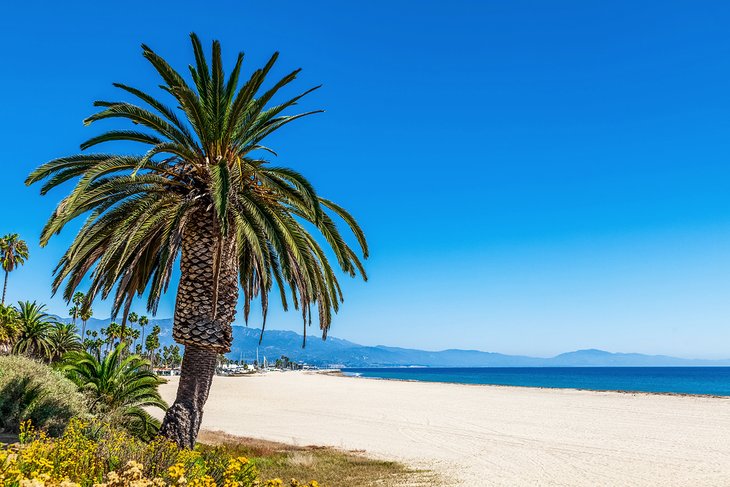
(118, 387)
(202, 154)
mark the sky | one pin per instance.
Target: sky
(533, 177)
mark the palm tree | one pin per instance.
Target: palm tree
(134, 335)
(203, 191)
(77, 308)
(143, 321)
(111, 332)
(152, 343)
(119, 388)
(35, 329)
(63, 338)
(86, 314)
(13, 253)
(74, 312)
(9, 328)
(132, 318)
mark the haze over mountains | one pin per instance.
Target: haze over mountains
(342, 353)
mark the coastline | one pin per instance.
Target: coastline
(340, 373)
(494, 435)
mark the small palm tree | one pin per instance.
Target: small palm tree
(201, 190)
(119, 387)
(13, 253)
(35, 329)
(63, 338)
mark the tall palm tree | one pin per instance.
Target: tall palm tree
(143, 321)
(78, 305)
(119, 388)
(132, 318)
(86, 314)
(203, 191)
(35, 329)
(13, 253)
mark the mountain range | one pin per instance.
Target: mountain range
(337, 352)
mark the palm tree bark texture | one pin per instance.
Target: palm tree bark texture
(204, 311)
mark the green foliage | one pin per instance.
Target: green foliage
(32, 391)
(63, 339)
(171, 356)
(152, 342)
(13, 252)
(9, 327)
(119, 388)
(35, 329)
(207, 152)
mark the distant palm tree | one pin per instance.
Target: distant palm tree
(77, 308)
(13, 253)
(86, 314)
(63, 338)
(119, 387)
(143, 321)
(111, 332)
(203, 191)
(134, 335)
(152, 343)
(35, 329)
(132, 318)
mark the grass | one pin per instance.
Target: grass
(329, 466)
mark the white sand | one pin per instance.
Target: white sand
(485, 435)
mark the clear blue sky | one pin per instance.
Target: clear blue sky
(532, 179)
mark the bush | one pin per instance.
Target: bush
(33, 391)
(89, 454)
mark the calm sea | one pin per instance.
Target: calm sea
(683, 380)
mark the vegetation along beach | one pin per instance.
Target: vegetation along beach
(365, 244)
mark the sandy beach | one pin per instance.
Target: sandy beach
(486, 435)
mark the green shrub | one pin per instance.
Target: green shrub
(33, 391)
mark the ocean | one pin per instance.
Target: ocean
(680, 380)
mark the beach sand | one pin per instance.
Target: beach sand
(485, 435)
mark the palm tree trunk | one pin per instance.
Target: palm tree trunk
(182, 421)
(5, 287)
(204, 310)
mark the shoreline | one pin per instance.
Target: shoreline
(617, 391)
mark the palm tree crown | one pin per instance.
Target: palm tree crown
(13, 253)
(204, 172)
(35, 331)
(63, 338)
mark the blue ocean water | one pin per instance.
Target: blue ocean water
(682, 380)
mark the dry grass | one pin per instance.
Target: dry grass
(329, 466)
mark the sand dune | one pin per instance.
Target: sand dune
(484, 435)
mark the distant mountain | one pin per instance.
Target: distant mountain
(342, 353)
